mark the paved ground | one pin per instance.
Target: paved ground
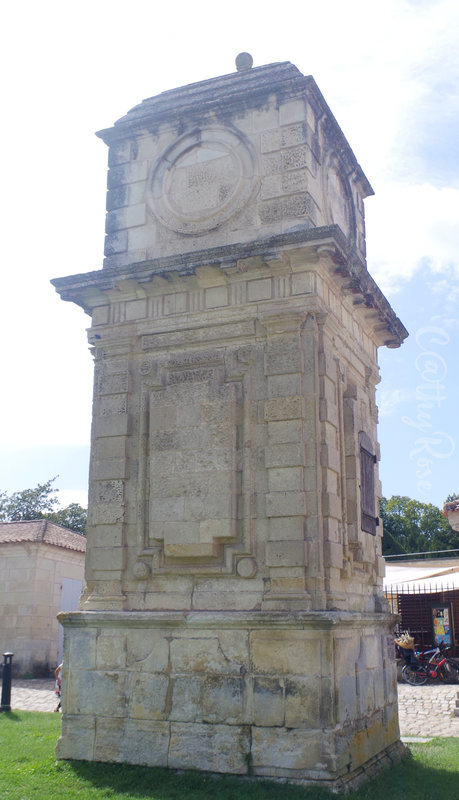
(428, 710)
(424, 710)
(33, 695)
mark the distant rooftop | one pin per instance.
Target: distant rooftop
(425, 555)
(41, 530)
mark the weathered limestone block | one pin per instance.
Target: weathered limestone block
(108, 743)
(147, 696)
(77, 737)
(147, 649)
(218, 748)
(284, 653)
(110, 650)
(302, 702)
(288, 478)
(283, 753)
(187, 698)
(284, 455)
(248, 677)
(286, 528)
(285, 553)
(146, 742)
(268, 701)
(232, 594)
(205, 651)
(106, 689)
(225, 698)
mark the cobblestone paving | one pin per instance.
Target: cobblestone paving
(423, 710)
(33, 695)
(428, 710)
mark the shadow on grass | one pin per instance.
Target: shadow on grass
(10, 715)
(165, 784)
(414, 778)
(410, 781)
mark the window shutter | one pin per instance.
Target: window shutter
(367, 485)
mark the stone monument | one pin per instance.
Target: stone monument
(233, 619)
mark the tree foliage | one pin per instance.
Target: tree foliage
(73, 516)
(41, 503)
(28, 503)
(410, 526)
(452, 497)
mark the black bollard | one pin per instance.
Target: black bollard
(6, 683)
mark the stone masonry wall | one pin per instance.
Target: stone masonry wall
(303, 698)
(225, 468)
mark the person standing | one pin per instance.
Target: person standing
(58, 676)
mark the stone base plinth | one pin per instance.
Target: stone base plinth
(297, 696)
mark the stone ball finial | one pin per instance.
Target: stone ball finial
(243, 61)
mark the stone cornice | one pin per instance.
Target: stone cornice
(73, 287)
(323, 620)
(93, 289)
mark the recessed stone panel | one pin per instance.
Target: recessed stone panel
(259, 290)
(197, 489)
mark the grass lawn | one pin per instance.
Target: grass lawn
(28, 771)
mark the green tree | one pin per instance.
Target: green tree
(41, 503)
(410, 526)
(29, 503)
(73, 516)
(452, 497)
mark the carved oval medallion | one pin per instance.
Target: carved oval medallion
(202, 180)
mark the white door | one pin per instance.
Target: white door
(71, 591)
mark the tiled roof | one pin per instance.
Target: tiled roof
(42, 530)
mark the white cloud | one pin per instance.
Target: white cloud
(68, 496)
(410, 227)
(389, 400)
(449, 322)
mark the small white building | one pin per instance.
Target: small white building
(41, 574)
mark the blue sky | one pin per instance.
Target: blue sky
(389, 72)
(418, 395)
